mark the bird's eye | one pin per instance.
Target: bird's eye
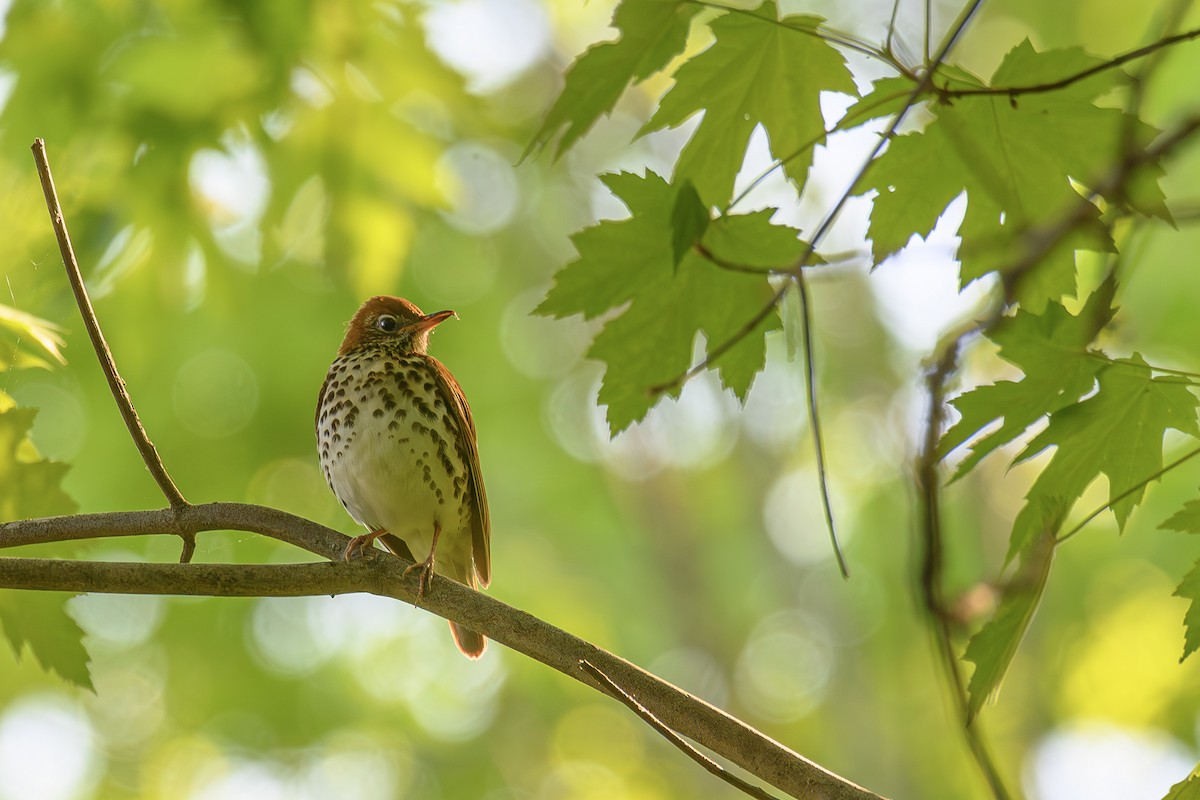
(386, 323)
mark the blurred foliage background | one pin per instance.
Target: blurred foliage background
(237, 177)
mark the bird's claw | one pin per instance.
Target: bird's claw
(425, 578)
(358, 545)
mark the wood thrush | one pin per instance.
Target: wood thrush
(398, 448)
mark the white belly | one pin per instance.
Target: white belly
(395, 477)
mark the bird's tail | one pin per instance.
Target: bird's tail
(470, 643)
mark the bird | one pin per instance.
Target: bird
(398, 447)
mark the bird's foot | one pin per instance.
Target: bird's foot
(360, 544)
(423, 580)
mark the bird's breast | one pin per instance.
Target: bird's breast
(389, 448)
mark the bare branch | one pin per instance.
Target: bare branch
(381, 573)
(107, 363)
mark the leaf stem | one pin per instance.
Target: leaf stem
(1063, 83)
(822, 32)
(1112, 501)
(814, 417)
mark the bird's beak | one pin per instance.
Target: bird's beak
(431, 321)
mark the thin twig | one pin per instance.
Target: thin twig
(611, 687)
(1063, 83)
(381, 573)
(814, 416)
(822, 32)
(891, 28)
(932, 560)
(136, 431)
(927, 35)
(1112, 501)
(843, 124)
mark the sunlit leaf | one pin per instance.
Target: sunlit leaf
(1186, 519)
(649, 344)
(1187, 789)
(1052, 350)
(1016, 159)
(992, 649)
(1117, 432)
(40, 620)
(29, 485)
(651, 33)
(1189, 589)
(689, 220)
(760, 70)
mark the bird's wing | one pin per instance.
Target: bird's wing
(481, 525)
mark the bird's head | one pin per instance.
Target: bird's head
(392, 323)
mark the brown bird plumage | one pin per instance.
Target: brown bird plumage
(398, 448)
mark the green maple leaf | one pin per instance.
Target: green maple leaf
(29, 487)
(652, 32)
(40, 620)
(617, 259)
(1187, 789)
(689, 221)
(1186, 519)
(1051, 349)
(631, 263)
(760, 70)
(992, 649)
(1116, 432)
(1189, 589)
(1016, 159)
(29, 484)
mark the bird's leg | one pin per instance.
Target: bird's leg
(360, 544)
(426, 566)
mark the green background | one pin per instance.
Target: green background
(357, 162)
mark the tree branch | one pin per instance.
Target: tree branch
(382, 574)
(932, 558)
(136, 431)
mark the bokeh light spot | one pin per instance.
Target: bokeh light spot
(603, 734)
(1101, 762)
(491, 42)
(481, 185)
(450, 697)
(784, 670)
(279, 637)
(215, 394)
(297, 486)
(47, 750)
(795, 522)
(119, 620)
